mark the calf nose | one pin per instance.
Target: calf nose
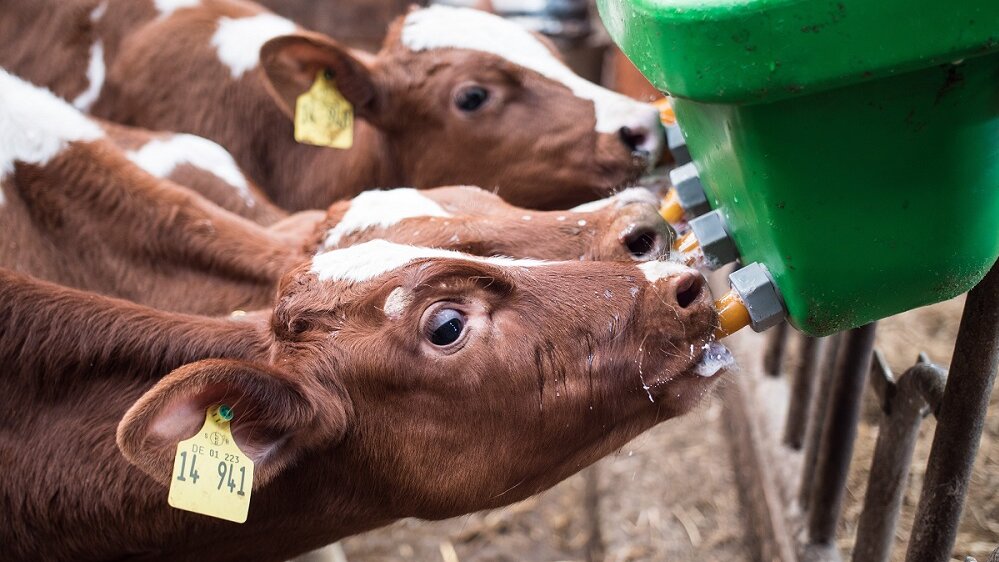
(677, 286)
(647, 238)
(635, 138)
(687, 287)
(640, 233)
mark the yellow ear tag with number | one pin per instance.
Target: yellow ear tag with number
(211, 476)
(324, 117)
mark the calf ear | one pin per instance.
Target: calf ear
(292, 62)
(276, 417)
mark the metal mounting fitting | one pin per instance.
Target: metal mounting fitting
(677, 145)
(713, 238)
(759, 293)
(689, 190)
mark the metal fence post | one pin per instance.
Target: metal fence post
(801, 391)
(818, 409)
(838, 434)
(905, 403)
(959, 425)
(773, 359)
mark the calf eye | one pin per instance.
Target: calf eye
(444, 327)
(471, 98)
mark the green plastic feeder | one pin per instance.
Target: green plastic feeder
(852, 146)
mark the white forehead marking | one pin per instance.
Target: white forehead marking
(382, 208)
(160, 157)
(371, 259)
(99, 11)
(656, 270)
(95, 66)
(441, 27)
(167, 7)
(238, 41)
(397, 302)
(626, 197)
(35, 125)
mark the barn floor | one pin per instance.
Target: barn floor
(671, 493)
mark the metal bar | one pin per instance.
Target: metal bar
(801, 391)
(959, 425)
(819, 407)
(905, 404)
(838, 434)
(776, 346)
(594, 548)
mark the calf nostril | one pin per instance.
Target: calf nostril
(688, 288)
(633, 137)
(642, 243)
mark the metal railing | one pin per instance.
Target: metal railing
(823, 416)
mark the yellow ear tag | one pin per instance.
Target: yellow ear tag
(324, 117)
(211, 476)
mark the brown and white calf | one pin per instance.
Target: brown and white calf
(387, 381)
(455, 96)
(78, 210)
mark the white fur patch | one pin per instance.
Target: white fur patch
(160, 157)
(382, 208)
(369, 260)
(99, 12)
(238, 41)
(620, 199)
(95, 66)
(656, 270)
(441, 27)
(397, 302)
(35, 125)
(95, 78)
(167, 7)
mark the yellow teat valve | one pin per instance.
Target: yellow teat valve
(732, 314)
(666, 114)
(686, 243)
(689, 247)
(671, 210)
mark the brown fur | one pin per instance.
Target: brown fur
(353, 419)
(534, 141)
(91, 219)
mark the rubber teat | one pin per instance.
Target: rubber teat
(686, 243)
(732, 314)
(666, 114)
(670, 209)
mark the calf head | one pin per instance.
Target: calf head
(433, 383)
(626, 226)
(467, 97)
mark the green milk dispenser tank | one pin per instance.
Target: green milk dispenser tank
(850, 147)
